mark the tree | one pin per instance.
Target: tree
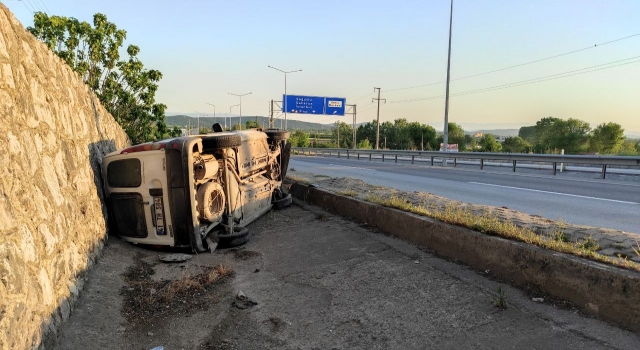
(571, 135)
(455, 135)
(607, 138)
(488, 143)
(528, 134)
(251, 124)
(124, 87)
(299, 139)
(364, 144)
(515, 144)
(342, 135)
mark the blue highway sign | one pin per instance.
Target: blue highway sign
(303, 104)
(334, 105)
(314, 105)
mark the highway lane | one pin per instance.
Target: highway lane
(593, 202)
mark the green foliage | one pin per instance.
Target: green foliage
(528, 133)
(629, 148)
(299, 139)
(607, 138)
(251, 124)
(364, 144)
(124, 87)
(501, 300)
(399, 135)
(456, 136)
(488, 143)
(515, 144)
(342, 135)
(205, 130)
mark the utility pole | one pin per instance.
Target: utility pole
(240, 120)
(445, 137)
(378, 116)
(271, 116)
(353, 113)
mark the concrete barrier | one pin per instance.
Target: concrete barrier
(608, 292)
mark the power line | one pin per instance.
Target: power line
(521, 64)
(25, 5)
(360, 98)
(34, 5)
(532, 81)
(45, 6)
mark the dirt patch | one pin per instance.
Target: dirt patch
(240, 254)
(145, 299)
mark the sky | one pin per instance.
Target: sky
(208, 49)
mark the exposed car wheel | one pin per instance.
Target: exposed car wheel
(282, 201)
(221, 141)
(210, 197)
(239, 237)
(275, 135)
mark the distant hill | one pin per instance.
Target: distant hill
(496, 132)
(183, 121)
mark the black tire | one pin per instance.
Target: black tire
(221, 141)
(275, 135)
(239, 237)
(285, 201)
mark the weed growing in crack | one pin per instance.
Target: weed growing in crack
(501, 300)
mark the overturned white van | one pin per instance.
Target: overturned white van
(196, 191)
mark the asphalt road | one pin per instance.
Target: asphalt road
(593, 202)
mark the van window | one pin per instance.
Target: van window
(124, 173)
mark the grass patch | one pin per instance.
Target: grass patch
(348, 193)
(491, 224)
(588, 243)
(298, 179)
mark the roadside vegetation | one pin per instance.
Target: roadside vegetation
(549, 135)
(490, 223)
(124, 86)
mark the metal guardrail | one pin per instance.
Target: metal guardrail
(554, 159)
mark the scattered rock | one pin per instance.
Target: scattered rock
(150, 334)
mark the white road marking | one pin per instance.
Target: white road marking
(559, 193)
(352, 167)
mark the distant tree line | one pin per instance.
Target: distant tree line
(549, 135)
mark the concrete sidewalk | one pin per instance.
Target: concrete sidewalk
(322, 282)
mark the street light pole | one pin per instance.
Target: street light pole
(225, 122)
(445, 137)
(285, 91)
(240, 120)
(198, 120)
(214, 111)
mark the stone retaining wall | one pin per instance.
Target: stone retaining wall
(54, 133)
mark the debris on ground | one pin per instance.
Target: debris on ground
(538, 300)
(243, 302)
(176, 257)
(145, 298)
